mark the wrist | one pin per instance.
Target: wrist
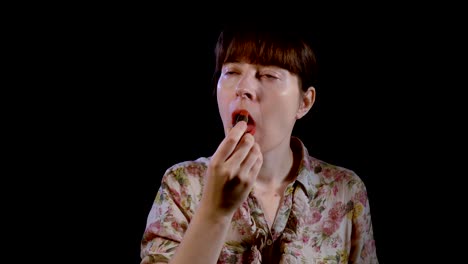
(213, 215)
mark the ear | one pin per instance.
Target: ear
(307, 100)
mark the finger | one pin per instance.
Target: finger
(241, 151)
(256, 168)
(249, 161)
(229, 143)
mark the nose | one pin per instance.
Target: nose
(245, 88)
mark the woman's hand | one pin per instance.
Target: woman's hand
(232, 172)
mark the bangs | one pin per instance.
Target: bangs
(262, 49)
(286, 49)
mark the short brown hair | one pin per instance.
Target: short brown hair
(288, 49)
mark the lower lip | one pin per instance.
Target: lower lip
(250, 129)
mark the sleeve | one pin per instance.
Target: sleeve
(363, 250)
(167, 220)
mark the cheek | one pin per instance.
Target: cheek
(280, 118)
(223, 105)
(289, 104)
(221, 93)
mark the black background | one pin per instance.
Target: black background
(160, 110)
(132, 95)
(149, 104)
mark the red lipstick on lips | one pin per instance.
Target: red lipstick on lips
(243, 115)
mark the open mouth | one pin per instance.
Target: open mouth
(243, 115)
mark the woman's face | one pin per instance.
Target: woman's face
(270, 94)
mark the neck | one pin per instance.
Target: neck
(277, 166)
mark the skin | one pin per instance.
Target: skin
(243, 162)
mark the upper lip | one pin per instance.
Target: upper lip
(236, 112)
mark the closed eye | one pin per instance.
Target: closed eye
(267, 76)
(230, 72)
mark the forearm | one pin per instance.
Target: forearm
(204, 238)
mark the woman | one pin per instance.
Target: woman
(260, 197)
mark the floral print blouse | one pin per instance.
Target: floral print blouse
(324, 217)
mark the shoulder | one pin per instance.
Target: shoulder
(189, 166)
(186, 171)
(336, 176)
